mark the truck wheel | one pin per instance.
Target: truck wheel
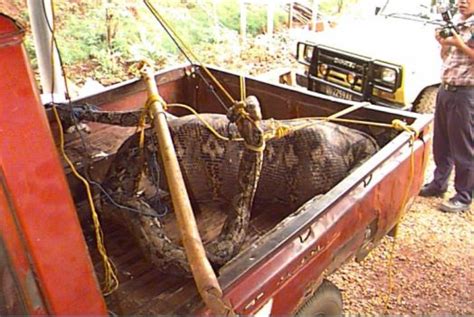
(427, 100)
(326, 301)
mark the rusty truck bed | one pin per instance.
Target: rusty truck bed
(287, 252)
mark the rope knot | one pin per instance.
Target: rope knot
(282, 131)
(236, 112)
(400, 125)
(277, 130)
(155, 98)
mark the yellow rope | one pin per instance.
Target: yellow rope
(280, 130)
(111, 282)
(155, 98)
(243, 93)
(400, 125)
(208, 126)
(146, 112)
(110, 277)
(403, 126)
(362, 122)
(259, 148)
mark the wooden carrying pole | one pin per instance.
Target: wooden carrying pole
(204, 276)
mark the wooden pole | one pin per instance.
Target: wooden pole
(204, 276)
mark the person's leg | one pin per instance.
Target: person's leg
(461, 136)
(441, 147)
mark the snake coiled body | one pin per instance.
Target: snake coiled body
(308, 161)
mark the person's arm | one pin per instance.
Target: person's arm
(456, 41)
(463, 46)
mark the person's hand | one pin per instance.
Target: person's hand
(454, 40)
(438, 37)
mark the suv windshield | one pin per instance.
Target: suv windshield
(422, 9)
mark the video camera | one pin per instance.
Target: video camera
(447, 30)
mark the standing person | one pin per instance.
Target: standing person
(453, 141)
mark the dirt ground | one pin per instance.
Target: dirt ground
(433, 263)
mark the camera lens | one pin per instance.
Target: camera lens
(445, 33)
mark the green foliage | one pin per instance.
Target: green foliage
(105, 33)
(80, 40)
(229, 16)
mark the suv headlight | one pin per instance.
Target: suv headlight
(308, 53)
(389, 75)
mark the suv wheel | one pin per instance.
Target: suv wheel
(325, 301)
(426, 101)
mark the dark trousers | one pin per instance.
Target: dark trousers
(453, 141)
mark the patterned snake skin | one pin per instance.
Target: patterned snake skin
(307, 162)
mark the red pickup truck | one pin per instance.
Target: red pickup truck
(48, 260)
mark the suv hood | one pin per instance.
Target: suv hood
(389, 39)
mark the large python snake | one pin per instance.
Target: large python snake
(307, 162)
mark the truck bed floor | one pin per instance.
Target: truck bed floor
(144, 289)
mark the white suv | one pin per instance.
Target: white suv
(390, 58)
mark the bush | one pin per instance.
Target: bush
(229, 15)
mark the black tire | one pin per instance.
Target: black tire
(325, 301)
(426, 101)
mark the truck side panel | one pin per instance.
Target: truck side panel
(294, 270)
(40, 217)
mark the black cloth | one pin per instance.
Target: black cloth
(453, 142)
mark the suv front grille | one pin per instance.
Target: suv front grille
(340, 65)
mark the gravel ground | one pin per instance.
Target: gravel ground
(433, 263)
